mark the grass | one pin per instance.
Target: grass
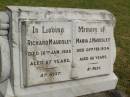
(121, 10)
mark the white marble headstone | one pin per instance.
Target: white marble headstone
(61, 52)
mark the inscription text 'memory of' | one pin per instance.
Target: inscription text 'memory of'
(60, 52)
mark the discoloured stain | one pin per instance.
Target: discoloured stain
(19, 11)
(47, 13)
(103, 15)
(47, 87)
(109, 23)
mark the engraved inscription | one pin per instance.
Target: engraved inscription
(48, 51)
(62, 50)
(91, 51)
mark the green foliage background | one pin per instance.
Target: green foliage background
(121, 10)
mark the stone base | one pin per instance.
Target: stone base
(67, 89)
(112, 93)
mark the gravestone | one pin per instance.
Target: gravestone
(60, 52)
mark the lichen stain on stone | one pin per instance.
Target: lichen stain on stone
(111, 17)
(47, 13)
(60, 12)
(13, 43)
(82, 12)
(108, 22)
(19, 12)
(103, 15)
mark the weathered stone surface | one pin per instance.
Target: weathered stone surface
(113, 93)
(60, 52)
(4, 52)
(4, 18)
(4, 23)
(4, 47)
(48, 55)
(3, 88)
(104, 94)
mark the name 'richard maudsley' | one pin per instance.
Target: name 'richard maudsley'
(51, 29)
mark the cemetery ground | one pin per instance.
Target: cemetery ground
(120, 9)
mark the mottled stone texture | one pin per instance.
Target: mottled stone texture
(60, 52)
(4, 52)
(112, 93)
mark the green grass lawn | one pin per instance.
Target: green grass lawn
(121, 10)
